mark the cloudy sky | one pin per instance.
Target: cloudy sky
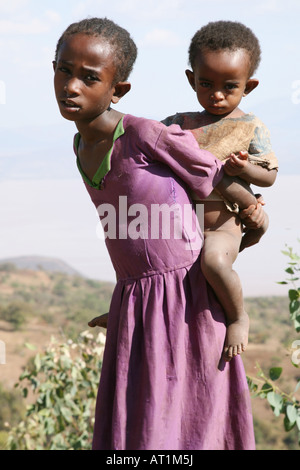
(44, 209)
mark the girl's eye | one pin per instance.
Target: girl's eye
(205, 84)
(91, 78)
(63, 69)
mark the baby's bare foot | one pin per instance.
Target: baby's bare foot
(236, 337)
(250, 238)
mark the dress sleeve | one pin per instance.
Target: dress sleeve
(260, 148)
(178, 149)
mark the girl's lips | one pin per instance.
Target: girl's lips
(70, 105)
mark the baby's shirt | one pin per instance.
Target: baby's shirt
(227, 136)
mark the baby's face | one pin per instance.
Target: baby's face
(220, 79)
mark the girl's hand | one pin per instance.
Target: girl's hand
(253, 217)
(99, 321)
(236, 165)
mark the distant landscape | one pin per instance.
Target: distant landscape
(41, 297)
(40, 263)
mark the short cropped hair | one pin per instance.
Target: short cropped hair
(229, 35)
(125, 50)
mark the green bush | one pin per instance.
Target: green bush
(17, 313)
(7, 267)
(12, 410)
(64, 381)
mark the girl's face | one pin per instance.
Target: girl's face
(84, 77)
(220, 79)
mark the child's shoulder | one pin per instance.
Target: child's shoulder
(143, 131)
(186, 120)
(194, 119)
(257, 121)
(148, 134)
(140, 124)
(251, 118)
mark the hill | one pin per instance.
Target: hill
(37, 304)
(40, 263)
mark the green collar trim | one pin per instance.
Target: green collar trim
(105, 166)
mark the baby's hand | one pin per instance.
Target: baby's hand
(235, 165)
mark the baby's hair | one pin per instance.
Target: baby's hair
(125, 50)
(231, 35)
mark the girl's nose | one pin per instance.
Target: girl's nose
(72, 86)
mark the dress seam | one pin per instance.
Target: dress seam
(158, 273)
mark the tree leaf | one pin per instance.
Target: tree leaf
(294, 306)
(291, 413)
(297, 324)
(37, 362)
(293, 294)
(275, 373)
(275, 401)
(298, 421)
(265, 389)
(30, 346)
(289, 271)
(287, 424)
(66, 414)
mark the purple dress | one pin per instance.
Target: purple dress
(163, 384)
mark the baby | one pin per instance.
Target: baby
(223, 56)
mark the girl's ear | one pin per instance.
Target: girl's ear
(191, 78)
(121, 88)
(250, 85)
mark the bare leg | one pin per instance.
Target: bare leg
(219, 253)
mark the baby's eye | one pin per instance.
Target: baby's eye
(230, 86)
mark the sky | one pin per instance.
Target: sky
(44, 208)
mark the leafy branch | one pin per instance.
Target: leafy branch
(281, 402)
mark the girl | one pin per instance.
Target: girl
(224, 56)
(163, 384)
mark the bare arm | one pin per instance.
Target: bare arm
(251, 210)
(235, 190)
(99, 321)
(238, 165)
